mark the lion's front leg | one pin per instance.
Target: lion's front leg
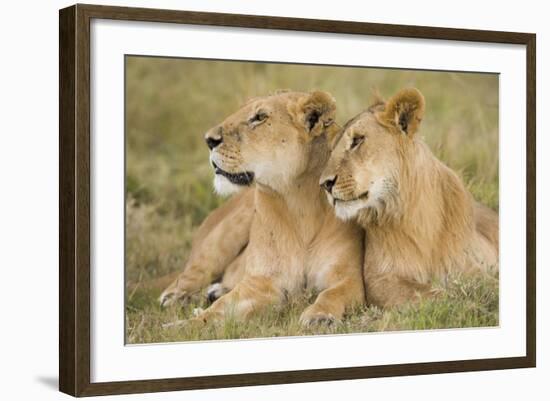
(231, 276)
(337, 272)
(389, 289)
(345, 290)
(188, 284)
(200, 273)
(251, 295)
(211, 256)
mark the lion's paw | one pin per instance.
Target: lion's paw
(313, 316)
(171, 297)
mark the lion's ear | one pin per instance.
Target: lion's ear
(315, 112)
(405, 110)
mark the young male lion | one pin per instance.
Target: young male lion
(280, 143)
(421, 223)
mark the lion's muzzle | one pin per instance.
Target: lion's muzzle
(244, 178)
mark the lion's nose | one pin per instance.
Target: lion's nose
(213, 142)
(329, 183)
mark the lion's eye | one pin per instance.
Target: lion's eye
(356, 141)
(258, 117)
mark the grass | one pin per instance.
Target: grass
(462, 302)
(170, 103)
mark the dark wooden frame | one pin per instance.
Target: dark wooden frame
(74, 199)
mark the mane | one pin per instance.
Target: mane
(427, 214)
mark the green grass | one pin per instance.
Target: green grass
(170, 103)
(462, 302)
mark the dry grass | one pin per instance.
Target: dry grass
(170, 103)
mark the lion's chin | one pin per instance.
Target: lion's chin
(350, 209)
(224, 187)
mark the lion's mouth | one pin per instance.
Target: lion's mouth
(363, 196)
(244, 178)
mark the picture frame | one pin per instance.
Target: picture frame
(76, 201)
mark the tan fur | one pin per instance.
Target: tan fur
(421, 222)
(212, 255)
(294, 241)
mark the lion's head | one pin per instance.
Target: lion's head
(271, 140)
(369, 161)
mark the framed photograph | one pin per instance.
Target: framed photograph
(250, 200)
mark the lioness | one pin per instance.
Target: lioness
(421, 223)
(280, 143)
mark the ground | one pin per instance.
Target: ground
(170, 104)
